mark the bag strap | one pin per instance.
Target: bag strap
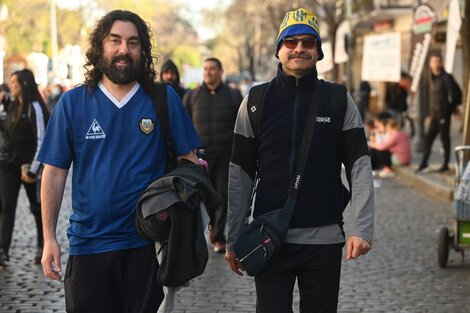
(306, 143)
(160, 105)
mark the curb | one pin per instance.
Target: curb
(426, 184)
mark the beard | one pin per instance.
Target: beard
(120, 75)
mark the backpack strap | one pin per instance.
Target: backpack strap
(255, 106)
(194, 93)
(339, 104)
(160, 105)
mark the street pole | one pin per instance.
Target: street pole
(349, 83)
(466, 132)
(54, 52)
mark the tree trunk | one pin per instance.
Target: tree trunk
(465, 35)
(465, 38)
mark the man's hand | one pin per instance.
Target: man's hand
(51, 260)
(355, 246)
(233, 262)
(27, 179)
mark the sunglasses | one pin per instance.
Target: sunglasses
(307, 43)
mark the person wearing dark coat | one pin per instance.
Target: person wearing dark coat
(442, 95)
(170, 75)
(213, 107)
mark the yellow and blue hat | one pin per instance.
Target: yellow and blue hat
(299, 22)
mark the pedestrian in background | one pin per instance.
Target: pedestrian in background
(170, 75)
(395, 149)
(364, 98)
(396, 99)
(23, 131)
(109, 130)
(213, 108)
(52, 93)
(312, 250)
(442, 95)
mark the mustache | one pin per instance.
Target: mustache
(304, 56)
(125, 58)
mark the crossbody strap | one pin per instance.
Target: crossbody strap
(296, 181)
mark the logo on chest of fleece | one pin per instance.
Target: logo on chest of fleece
(95, 131)
(321, 119)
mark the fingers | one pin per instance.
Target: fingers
(351, 250)
(356, 246)
(233, 263)
(49, 271)
(51, 264)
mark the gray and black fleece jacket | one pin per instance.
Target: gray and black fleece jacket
(320, 201)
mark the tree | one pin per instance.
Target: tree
(465, 35)
(465, 38)
(174, 37)
(251, 29)
(26, 32)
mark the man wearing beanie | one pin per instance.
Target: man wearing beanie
(312, 250)
(170, 75)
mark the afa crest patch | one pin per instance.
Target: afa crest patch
(146, 125)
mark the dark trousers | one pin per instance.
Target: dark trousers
(437, 126)
(380, 159)
(10, 184)
(218, 174)
(317, 269)
(121, 281)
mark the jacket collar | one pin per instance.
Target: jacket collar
(289, 81)
(219, 87)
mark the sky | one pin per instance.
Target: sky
(192, 7)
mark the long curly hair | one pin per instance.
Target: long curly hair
(93, 74)
(29, 92)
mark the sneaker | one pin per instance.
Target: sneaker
(38, 255)
(4, 260)
(386, 174)
(443, 169)
(219, 247)
(421, 169)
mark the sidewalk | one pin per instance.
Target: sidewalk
(440, 185)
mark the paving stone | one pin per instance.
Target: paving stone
(399, 275)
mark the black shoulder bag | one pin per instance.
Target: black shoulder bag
(260, 240)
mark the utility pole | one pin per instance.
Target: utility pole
(349, 83)
(54, 53)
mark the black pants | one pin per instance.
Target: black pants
(380, 159)
(10, 184)
(437, 126)
(317, 269)
(218, 174)
(122, 281)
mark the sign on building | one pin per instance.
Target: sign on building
(424, 18)
(381, 58)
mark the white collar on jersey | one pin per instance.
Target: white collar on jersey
(116, 102)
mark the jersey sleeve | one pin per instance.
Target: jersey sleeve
(183, 133)
(57, 146)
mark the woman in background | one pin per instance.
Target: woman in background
(395, 149)
(23, 129)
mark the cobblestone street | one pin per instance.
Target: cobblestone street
(399, 275)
